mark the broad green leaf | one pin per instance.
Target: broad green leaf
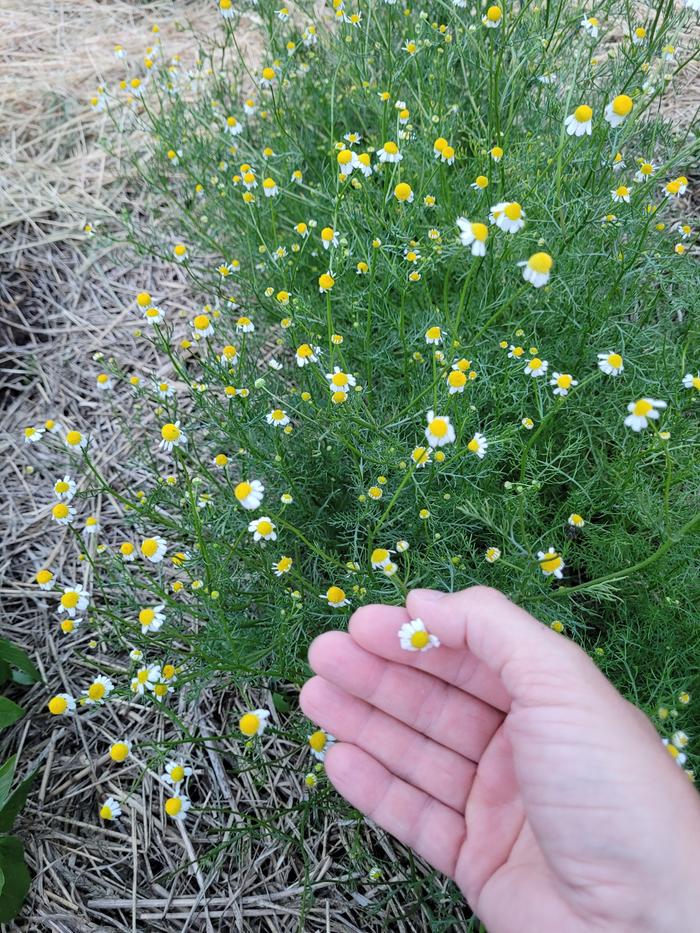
(9, 712)
(14, 803)
(16, 876)
(7, 774)
(5, 671)
(18, 658)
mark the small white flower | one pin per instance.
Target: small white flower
(110, 809)
(611, 364)
(642, 412)
(249, 493)
(551, 563)
(176, 772)
(478, 445)
(439, 430)
(262, 529)
(413, 636)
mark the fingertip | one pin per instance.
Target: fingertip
(366, 619)
(324, 647)
(308, 696)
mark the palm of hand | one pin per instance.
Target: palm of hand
(511, 778)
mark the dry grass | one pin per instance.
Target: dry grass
(60, 303)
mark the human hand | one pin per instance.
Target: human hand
(508, 761)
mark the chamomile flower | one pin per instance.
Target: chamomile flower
(474, 235)
(329, 237)
(319, 743)
(403, 193)
(153, 549)
(282, 566)
(98, 691)
(151, 618)
(74, 601)
(45, 579)
(120, 750)
(335, 597)
(389, 152)
(254, 722)
(145, 678)
(177, 807)
(492, 555)
(645, 171)
(262, 529)
(508, 216)
(691, 381)
(493, 18)
(33, 435)
(249, 493)
(340, 381)
(62, 704)
(591, 26)
(172, 436)
(278, 418)
(580, 122)
(478, 445)
(618, 110)
(202, 326)
(439, 430)
(480, 183)
(306, 354)
(562, 383)
(380, 557)
(75, 440)
(413, 636)
(64, 489)
(576, 520)
(68, 625)
(110, 809)
(270, 188)
(537, 269)
(536, 367)
(620, 194)
(176, 771)
(551, 563)
(611, 364)
(456, 381)
(267, 76)
(642, 412)
(180, 252)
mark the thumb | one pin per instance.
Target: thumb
(533, 662)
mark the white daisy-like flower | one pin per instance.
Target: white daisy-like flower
(145, 677)
(389, 152)
(153, 549)
(172, 436)
(439, 430)
(551, 563)
(580, 122)
(611, 364)
(590, 25)
(618, 110)
(562, 383)
(340, 381)
(152, 618)
(691, 381)
(508, 216)
(642, 412)
(177, 807)
(319, 743)
(176, 772)
(74, 601)
(621, 194)
(380, 557)
(335, 597)
(306, 354)
(98, 691)
(64, 489)
(536, 367)
(473, 235)
(413, 636)
(254, 722)
(278, 418)
(62, 704)
(537, 269)
(33, 435)
(249, 493)
(110, 809)
(478, 445)
(262, 529)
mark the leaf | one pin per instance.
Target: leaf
(16, 874)
(18, 658)
(9, 712)
(15, 802)
(280, 703)
(5, 671)
(7, 775)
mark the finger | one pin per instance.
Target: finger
(528, 657)
(425, 703)
(434, 831)
(409, 755)
(375, 628)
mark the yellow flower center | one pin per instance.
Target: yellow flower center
(146, 616)
(622, 105)
(268, 73)
(284, 564)
(564, 381)
(391, 148)
(344, 157)
(143, 300)
(201, 322)
(169, 671)
(642, 407)
(540, 262)
(149, 546)
(440, 143)
(438, 427)
(535, 363)
(481, 181)
(173, 806)
(696, 382)
(96, 691)
(480, 232)
(243, 490)
(60, 510)
(317, 740)
(160, 690)
(551, 562)
(379, 555)
(335, 594)
(73, 438)
(473, 445)
(420, 639)
(494, 14)
(327, 234)
(69, 600)
(265, 527)
(403, 191)
(615, 360)
(249, 724)
(583, 113)
(106, 812)
(513, 211)
(170, 432)
(44, 576)
(119, 751)
(58, 705)
(177, 773)
(456, 379)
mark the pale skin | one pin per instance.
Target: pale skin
(508, 761)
